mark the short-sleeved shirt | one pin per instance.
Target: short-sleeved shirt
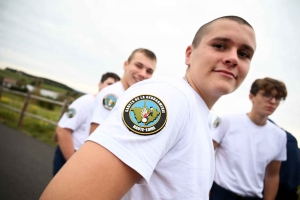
(101, 108)
(77, 119)
(176, 162)
(245, 150)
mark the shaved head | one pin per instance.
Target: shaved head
(203, 30)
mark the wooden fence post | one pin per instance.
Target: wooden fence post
(63, 109)
(24, 109)
(1, 89)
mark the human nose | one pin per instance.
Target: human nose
(231, 59)
(273, 99)
(143, 74)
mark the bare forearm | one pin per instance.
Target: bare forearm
(93, 127)
(92, 173)
(65, 142)
(271, 187)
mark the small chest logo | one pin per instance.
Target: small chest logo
(217, 122)
(109, 101)
(145, 115)
(71, 112)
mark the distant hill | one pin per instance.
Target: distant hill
(44, 82)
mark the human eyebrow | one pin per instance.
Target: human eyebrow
(221, 39)
(139, 64)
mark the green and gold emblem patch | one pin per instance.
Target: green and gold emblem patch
(217, 122)
(71, 112)
(145, 115)
(109, 101)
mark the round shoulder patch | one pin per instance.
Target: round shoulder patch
(217, 122)
(145, 115)
(109, 101)
(71, 112)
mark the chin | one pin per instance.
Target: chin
(225, 89)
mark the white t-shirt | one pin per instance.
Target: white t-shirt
(105, 101)
(245, 149)
(77, 118)
(159, 128)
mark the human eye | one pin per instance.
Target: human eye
(243, 54)
(219, 46)
(278, 98)
(139, 66)
(267, 95)
(150, 71)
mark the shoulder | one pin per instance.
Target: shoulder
(114, 90)
(168, 85)
(83, 100)
(276, 129)
(232, 117)
(227, 120)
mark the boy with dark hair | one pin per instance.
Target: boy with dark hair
(249, 147)
(107, 79)
(73, 127)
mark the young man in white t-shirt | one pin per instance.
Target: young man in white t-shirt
(139, 66)
(73, 127)
(155, 144)
(249, 148)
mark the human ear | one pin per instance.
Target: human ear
(125, 65)
(188, 53)
(251, 96)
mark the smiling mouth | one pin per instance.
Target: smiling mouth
(137, 80)
(226, 72)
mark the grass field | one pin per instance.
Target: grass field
(33, 127)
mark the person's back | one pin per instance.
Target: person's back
(73, 127)
(162, 180)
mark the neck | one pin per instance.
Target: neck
(124, 83)
(257, 118)
(208, 99)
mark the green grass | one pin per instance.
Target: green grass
(17, 101)
(15, 76)
(35, 128)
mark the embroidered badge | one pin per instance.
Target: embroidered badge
(145, 115)
(217, 122)
(71, 112)
(109, 101)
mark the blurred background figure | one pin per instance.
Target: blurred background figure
(72, 129)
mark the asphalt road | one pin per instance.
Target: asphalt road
(25, 165)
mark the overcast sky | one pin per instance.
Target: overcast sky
(75, 42)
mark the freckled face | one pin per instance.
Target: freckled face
(220, 63)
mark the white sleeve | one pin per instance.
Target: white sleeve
(219, 131)
(75, 121)
(281, 156)
(100, 113)
(138, 151)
